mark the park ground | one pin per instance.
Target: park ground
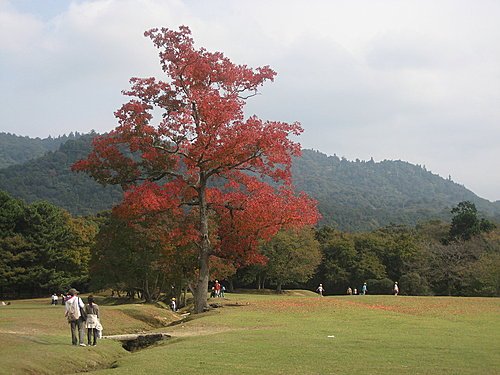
(249, 333)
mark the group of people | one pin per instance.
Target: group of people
(82, 316)
(364, 289)
(54, 299)
(218, 290)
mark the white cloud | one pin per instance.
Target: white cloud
(18, 31)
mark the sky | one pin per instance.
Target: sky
(411, 80)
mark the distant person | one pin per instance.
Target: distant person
(63, 299)
(55, 298)
(74, 316)
(349, 291)
(364, 289)
(173, 304)
(355, 291)
(223, 291)
(320, 290)
(217, 287)
(92, 322)
(395, 290)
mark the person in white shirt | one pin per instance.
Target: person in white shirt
(173, 304)
(320, 290)
(395, 290)
(75, 319)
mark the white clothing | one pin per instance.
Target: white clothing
(92, 316)
(92, 321)
(73, 306)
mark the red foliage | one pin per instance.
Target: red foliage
(255, 211)
(221, 269)
(201, 160)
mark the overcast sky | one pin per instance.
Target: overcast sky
(412, 80)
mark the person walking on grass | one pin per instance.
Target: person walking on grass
(217, 287)
(364, 289)
(395, 290)
(92, 322)
(173, 304)
(320, 290)
(74, 316)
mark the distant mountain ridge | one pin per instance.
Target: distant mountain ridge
(352, 195)
(15, 149)
(364, 195)
(50, 178)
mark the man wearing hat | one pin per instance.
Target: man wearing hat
(75, 319)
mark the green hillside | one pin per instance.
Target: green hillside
(50, 178)
(352, 195)
(364, 195)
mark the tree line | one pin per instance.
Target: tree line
(43, 249)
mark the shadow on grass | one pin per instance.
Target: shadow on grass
(288, 292)
(115, 301)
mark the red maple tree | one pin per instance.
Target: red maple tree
(182, 145)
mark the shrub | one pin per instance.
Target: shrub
(414, 284)
(382, 286)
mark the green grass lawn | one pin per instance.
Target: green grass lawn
(269, 334)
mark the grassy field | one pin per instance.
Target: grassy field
(298, 333)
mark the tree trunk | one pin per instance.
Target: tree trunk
(146, 293)
(184, 297)
(200, 294)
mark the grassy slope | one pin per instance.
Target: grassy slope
(255, 334)
(35, 337)
(373, 334)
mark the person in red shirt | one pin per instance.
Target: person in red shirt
(217, 287)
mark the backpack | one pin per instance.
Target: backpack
(72, 310)
(83, 313)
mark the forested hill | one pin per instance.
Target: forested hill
(50, 178)
(15, 149)
(352, 195)
(363, 195)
